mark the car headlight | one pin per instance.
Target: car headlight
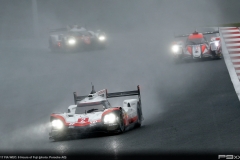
(71, 41)
(109, 118)
(175, 48)
(58, 124)
(101, 38)
(216, 44)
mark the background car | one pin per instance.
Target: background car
(196, 46)
(74, 38)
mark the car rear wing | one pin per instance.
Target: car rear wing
(112, 95)
(183, 35)
(214, 32)
(78, 98)
(58, 30)
(204, 33)
(126, 93)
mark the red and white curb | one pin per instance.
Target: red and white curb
(231, 53)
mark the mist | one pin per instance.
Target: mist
(113, 16)
(35, 82)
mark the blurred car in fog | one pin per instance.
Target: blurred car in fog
(197, 46)
(76, 38)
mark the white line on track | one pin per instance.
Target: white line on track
(232, 44)
(227, 36)
(234, 39)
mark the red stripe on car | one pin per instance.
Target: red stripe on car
(203, 47)
(59, 117)
(110, 110)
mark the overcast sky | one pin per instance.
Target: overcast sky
(16, 17)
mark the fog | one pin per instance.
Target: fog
(135, 21)
(115, 16)
(140, 33)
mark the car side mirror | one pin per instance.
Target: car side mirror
(129, 105)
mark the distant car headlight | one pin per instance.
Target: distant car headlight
(71, 41)
(101, 38)
(216, 44)
(109, 118)
(175, 48)
(58, 124)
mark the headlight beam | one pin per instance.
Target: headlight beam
(58, 124)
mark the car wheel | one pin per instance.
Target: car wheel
(215, 55)
(139, 121)
(219, 56)
(121, 124)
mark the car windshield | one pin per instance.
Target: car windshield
(195, 41)
(90, 107)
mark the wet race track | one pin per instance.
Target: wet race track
(190, 107)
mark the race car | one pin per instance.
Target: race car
(94, 113)
(197, 46)
(75, 38)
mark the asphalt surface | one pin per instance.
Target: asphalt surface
(189, 108)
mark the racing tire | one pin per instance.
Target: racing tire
(216, 56)
(139, 120)
(219, 56)
(121, 127)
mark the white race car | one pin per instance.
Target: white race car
(76, 38)
(94, 113)
(197, 46)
